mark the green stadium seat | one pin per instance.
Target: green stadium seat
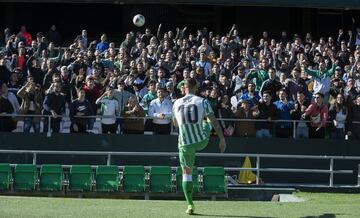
(80, 178)
(195, 177)
(25, 177)
(160, 179)
(4, 176)
(214, 180)
(107, 178)
(51, 177)
(134, 179)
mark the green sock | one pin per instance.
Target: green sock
(188, 190)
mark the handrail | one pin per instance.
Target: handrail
(257, 168)
(291, 122)
(127, 153)
(148, 117)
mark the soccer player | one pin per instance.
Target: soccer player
(190, 112)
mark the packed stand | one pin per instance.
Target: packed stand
(285, 87)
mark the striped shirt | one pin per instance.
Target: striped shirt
(189, 112)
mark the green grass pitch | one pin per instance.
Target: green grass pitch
(316, 205)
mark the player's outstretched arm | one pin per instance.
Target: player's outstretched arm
(215, 123)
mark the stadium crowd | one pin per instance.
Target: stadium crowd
(263, 83)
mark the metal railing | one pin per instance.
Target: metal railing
(49, 117)
(258, 169)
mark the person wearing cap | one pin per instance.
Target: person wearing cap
(79, 109)
(244, 111)
(337, 87)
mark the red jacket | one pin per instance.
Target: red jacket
(28, 38)
(318, 115)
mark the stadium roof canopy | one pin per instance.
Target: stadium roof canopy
(330, 4)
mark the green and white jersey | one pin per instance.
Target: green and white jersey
(189, 112)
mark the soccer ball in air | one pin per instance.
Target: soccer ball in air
(139, 20)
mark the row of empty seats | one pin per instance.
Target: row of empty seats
(82, 178)
(64, 126)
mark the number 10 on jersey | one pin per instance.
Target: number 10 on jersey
(189, 114)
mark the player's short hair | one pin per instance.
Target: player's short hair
(190, 83)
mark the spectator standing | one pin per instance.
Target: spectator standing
(322, 78)
(151, 95)
(259, 75)
(338, 113)
(354, 116)
(133, 110)
(24, 34)
(92, 93)
(54, 36)
(224, 111)
(251, 95)
(32, 100)
(283, 108)
(109, 108)
(80, 107)
(11, 97)
(160, 110)
(122, 96)
(84, 38)
(244, 128)
(34, 70)
(204, 64)
(54, 105)
(296, 84)
(103, 44)
(4, 71)
(271, 85)
(7, 123)
(318, 112)
(265, 111)
(302, 130)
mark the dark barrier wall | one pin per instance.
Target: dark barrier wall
(143, 143)
(116, 20)
(345, 4)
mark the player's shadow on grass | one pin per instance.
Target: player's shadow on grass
(325, 215)
(229, 216)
